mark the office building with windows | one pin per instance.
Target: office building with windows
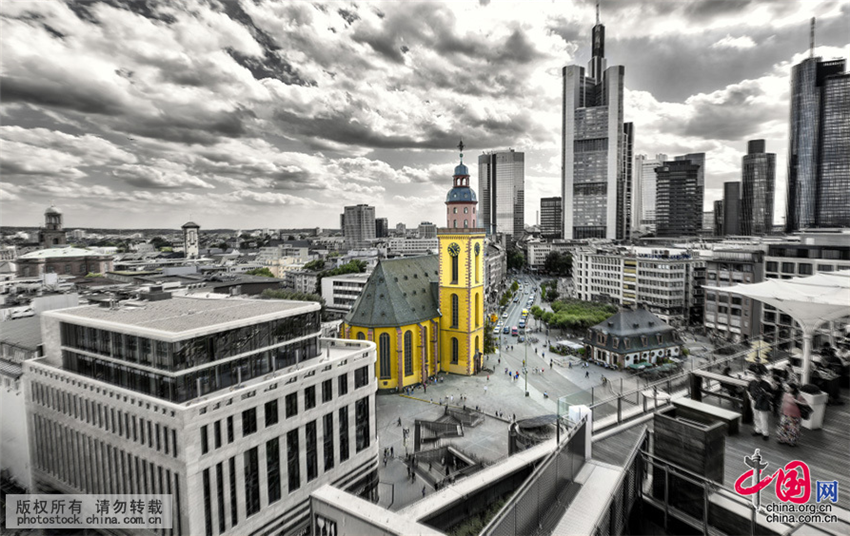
(731, 208)
(732, 316)
(596, 149)
(501, 185)
(551, 210)
(666, 281)
(678, 210)
(358, 226)
(758, 180)
(816, 252)
(236, 408)
(382, 228)
(644, 194)
(819, 145)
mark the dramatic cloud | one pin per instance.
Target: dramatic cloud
(254, 113)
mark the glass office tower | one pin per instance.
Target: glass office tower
(501, 185)
(819, 115)
(758, 180)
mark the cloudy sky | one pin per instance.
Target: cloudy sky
(134, 113)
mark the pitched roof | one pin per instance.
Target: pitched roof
(51, 253)
(629, 323)
(399, 292)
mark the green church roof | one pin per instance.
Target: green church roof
(399, 292)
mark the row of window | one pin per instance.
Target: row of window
(271, 412)
(128, 426)
(94, 466)
(273, 451)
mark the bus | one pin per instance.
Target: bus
(514, 331)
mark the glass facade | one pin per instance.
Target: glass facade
(833, 188)
(191, 368)
(678, 210)
(501, 178)
(818, 97)
(758, 182)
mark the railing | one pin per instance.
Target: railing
(540, 497)
(614, 516)
(700, 513)
(604, 401)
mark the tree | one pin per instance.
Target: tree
(516, 260)
(265, 272)
(489, 344)
(514, 286)
(315, 266)
(159, 242)
(558, 263)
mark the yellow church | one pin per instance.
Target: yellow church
(426, 314)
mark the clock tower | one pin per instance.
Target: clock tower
(461, 278)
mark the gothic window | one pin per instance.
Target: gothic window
(477, 310)
(454, 269)
(455, 311)
(408, 353)
(455, 351)
(384, 349)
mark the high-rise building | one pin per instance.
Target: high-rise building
(501, 185)
(382, 228)
(358, 223)
(427, 230)
(731, 208)
(235, 408)
(643, 195)
(550, 217)
(718, 218)
(819, 145)
(758, 172)
(708, 223)
(596, 149)
(678, 210)
(833, 187)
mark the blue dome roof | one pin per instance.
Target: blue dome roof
(460, 169)
(461, 194)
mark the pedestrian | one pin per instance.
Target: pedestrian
(423, 491)
(760, 394)
(399, 421)
(392, 452)
(488, 377)
(500, 361)
(429, 467)
(452, 399)
(425, 386)
(485, 389)
(587, 374)
(385, 461)
(788, 430)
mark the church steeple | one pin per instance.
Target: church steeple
(461, 202)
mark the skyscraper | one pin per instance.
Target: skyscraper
(501, 185)
(382, 228)
(819, 141)
(643, 195)
(758, 174)
(833, 187)
(596, 149)
(678, 210)
(358, 226)
(550, 217)
(731, 208)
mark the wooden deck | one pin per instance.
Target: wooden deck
(825, 451)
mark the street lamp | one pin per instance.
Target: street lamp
(525, 367)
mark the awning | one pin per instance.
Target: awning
(811, 301)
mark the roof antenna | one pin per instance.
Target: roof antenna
(812, 40)
(597, 11)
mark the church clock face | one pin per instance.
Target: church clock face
(477, 249)
(454, 249)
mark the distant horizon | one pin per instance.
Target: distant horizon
(268, 114)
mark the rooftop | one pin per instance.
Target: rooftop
(22, 332)
(52, 253)
(629, 323)
(181, 316)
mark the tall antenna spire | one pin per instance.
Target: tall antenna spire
(812, 40)
(597, 11)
